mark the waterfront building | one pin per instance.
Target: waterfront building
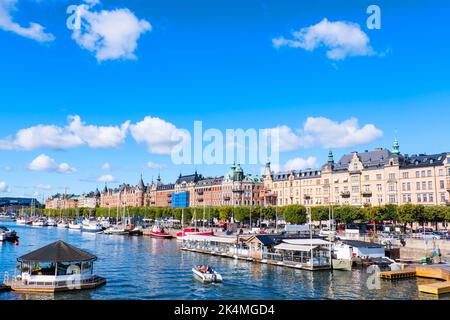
(15, 204)
(370, 178)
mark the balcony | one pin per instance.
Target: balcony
(200, 191)
(306, 196)
(366, 193)
(355, 172)
(226, 198)
(200, 199)
(169, 195)
(345, 194)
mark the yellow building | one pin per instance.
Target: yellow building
(369, 178)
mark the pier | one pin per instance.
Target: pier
(440, 272)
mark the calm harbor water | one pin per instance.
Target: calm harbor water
(147, 268)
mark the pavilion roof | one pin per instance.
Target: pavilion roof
(58, 251)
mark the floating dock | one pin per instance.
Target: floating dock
(441, 272)
(398, 274)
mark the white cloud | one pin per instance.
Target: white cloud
(4, 186)
(45, 163)
(287, 139)
(8, 168)
(106, 166)
(75, 134)
(43, 186)
(34, 31)
(300, 164)
(98, 136)
(340, 38)
(160, 136)
(325, 133)
(155, 166)
(331, 134)
(110, 34)
(106, 178)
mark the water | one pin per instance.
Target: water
(148, 268)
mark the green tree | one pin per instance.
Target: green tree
(295, 214)
(320, 213)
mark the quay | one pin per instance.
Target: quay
(440, 272)
(299, 253)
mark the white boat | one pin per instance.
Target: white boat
(105, 223)
(75, 225)
(208, 276)
(7, 234)
(23, 221)
(4, 216)
(62, 224)
(51, 222)
(41, 222)
(116, 229)
(91, 226)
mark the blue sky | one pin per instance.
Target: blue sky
(215, 61)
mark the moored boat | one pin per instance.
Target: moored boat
(206, 274)
(91, 226)
(75, 225)
(157, 231)
(51, 222)
(193, 231)
(23, 221)
(62, 224)
(40, 222)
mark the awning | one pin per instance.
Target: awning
(294, 247)
(307, 241)
(193, 237)
(58, 251)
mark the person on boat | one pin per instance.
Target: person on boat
(203, 269)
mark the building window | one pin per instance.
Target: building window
(417, 185)
(379, 188)
(442, 196)
(425, 197)
(367, 177)
(391, 187)
(391, 176)
(424, 185)
(423, 173)
(405, 175)
(419, 198)
(379, 176)
(441, 172)
(442, 184)
(429, 173)
(403, 186)
(355, 189)
(430, 185)
(431, 197)
(408, 186)
(417, 174)
(392, 199)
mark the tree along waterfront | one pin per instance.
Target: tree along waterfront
(405, 214)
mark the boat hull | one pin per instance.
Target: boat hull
(342, 264)
(161, 235)
(206, 277)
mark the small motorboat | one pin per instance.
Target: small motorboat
(117, 229)
(51, 222)
(91, 226)
(206, 274)
(40, 222)
(157, 231)
(74, 225)
(23, 221)
(62, 224)
(7, 234)
(4, 216)
(193, 231)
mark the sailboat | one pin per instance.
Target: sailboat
(118, 228)
(23, 219)
(195, 230)
(75, 224)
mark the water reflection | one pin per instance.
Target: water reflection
(147, 268)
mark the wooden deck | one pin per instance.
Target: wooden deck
(398, 274)
(435, 288)
(441, 272)
(18, 286)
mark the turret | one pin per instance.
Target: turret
(396, 147)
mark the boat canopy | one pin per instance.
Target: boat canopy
(307, 241)
(294, 247)
(193, 237)
(58, 251)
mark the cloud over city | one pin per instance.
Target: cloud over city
(44, 163)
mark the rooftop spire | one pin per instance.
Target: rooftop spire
(330, 157)
(395, 147)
